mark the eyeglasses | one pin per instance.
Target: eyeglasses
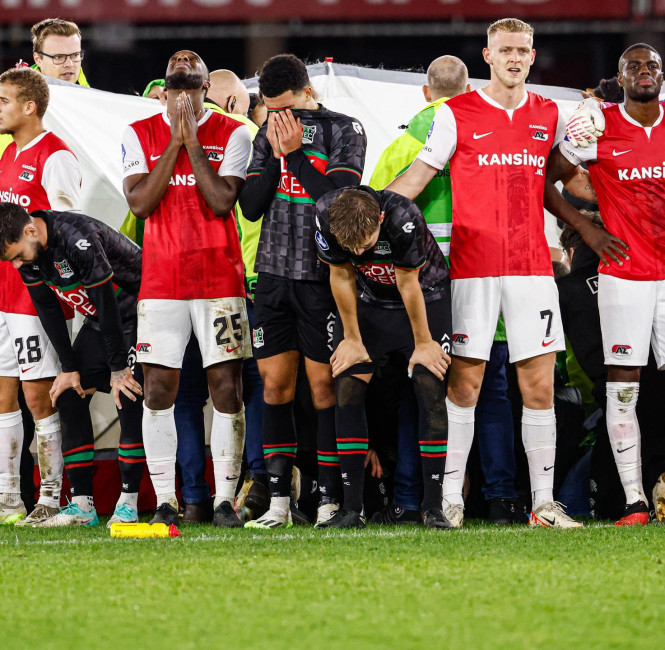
(59, 59)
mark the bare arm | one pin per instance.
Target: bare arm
(219, 192)
(351, 349)
(413, 181)
(144, 191)
(605, 245)
(427, 351)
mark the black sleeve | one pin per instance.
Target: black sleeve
(406, 225)
(328, 250)
(53, 321)
(110, 323)
(314, 182)
(262, 180)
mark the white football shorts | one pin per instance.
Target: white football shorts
(632, 315)
(219, 324)
(25, 350)
(530, 308)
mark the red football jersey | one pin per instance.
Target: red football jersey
(497, 172)
(21, 183)
(188, 252)
(627, 169)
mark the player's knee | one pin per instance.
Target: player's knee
(323, 393)
(159, 395)
(276, 390)
(38, 401)
(350, 392)
(464, 393)
(538, 394)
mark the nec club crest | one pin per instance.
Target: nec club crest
(308, 133)
(63, 268)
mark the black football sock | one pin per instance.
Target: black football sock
(279, 447)
(432, 434)
(330, 475)
(352, 438)
(78, 443)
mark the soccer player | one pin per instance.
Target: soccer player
(392, 290)
(37, 171)
(626, 168)
(497, 140)
(183, 170)
(96, 270)
(447, 77)
(303, 151)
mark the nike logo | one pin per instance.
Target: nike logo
(155, 157)
(482, 135)
(24, 370)
(546, 343)
(551, 522)
(620, 153)
(547, 469)
(453, 472)
(620, 451)
(229, 350)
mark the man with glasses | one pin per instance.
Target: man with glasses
(56, 49)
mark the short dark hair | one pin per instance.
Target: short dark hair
(570, 238)
(30, 87)
(639, 46)
(354, 216)
(282, 73)
(13, 220)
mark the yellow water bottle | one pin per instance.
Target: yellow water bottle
(141, 531)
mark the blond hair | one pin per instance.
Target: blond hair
(510, 25)
(50, 27)
(354, 216)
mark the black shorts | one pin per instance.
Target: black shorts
(293, 315)
(389, 330)
(91, 356)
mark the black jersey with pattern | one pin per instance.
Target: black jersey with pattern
(81, 253)
(332, 142)
(405, 242)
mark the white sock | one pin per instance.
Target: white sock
(11, 445)
(129, 498)
(539, 438)
(227, 441)
(84, 502)
(461, 420)
(160, 442)
(280, 504)
(624, 432)
(49, 455)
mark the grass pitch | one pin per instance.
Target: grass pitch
(382, 587)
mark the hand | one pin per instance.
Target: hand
(373, 459)
(289, 131)
(586, 124)
(188, 120)
(432, 356)
(608, 247)
(271, 135)
(176, 124)
(348, 353)
(64, 381)
(123, 381)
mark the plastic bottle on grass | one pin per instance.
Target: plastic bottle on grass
(142, 531)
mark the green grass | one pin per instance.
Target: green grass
(478, 587)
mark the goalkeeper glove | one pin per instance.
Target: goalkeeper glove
(586, 124)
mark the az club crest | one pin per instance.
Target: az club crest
(63, 269)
